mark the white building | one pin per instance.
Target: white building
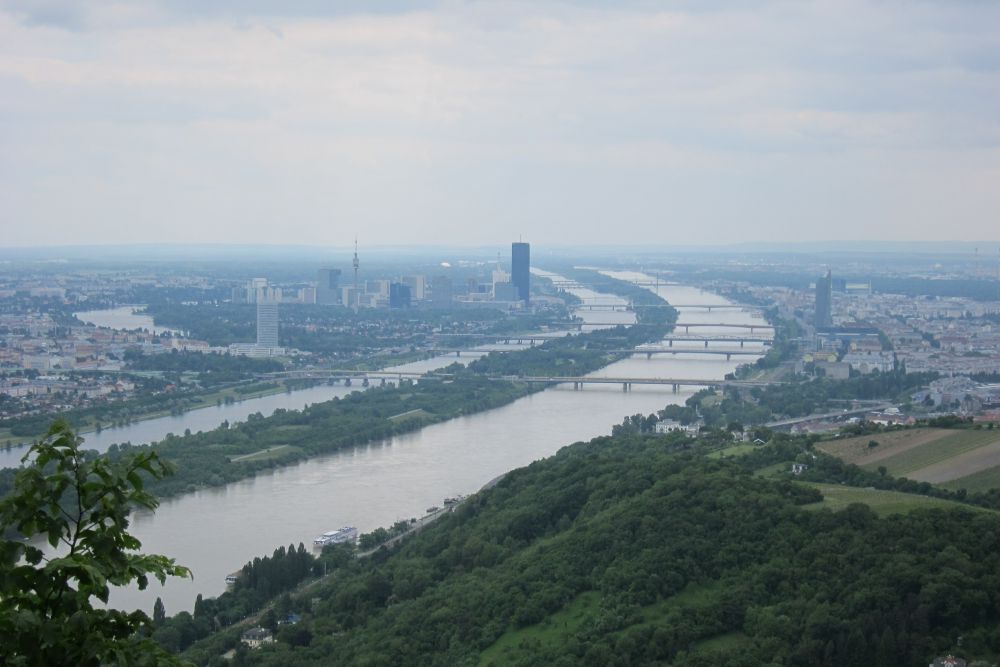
(257, 637)
(669, 426)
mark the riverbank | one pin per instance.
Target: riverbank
(213, 398)
(219, 456)
(387, 480)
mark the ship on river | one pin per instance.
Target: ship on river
(345, 535)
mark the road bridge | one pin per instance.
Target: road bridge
(627, 382)
(577, 381)
(687, 326)
(719, 338)
(531, 339)
(648, 351)
(629, 307)
(507, 339)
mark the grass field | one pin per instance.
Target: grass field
(728, 452)
(884, 503)
(773, 470)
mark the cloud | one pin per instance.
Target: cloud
(459, 119)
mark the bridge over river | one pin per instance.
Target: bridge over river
(648, 351)
(687, 326)
(629, 307)
(529, 338)
(577, 381)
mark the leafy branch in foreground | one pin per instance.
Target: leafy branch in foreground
(81, 507)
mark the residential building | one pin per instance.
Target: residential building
(257, 637)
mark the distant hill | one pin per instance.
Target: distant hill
(626, 551)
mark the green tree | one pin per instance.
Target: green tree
(81, 506)
(159, 613)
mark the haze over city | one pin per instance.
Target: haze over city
(469, 122)
(470, 332)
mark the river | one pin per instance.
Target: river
(123, 318)
(216, 531)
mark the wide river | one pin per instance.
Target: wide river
(215, 531)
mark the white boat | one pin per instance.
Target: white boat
(347, 534)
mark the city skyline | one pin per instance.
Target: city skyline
(430, 123)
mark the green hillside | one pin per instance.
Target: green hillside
(623, 551)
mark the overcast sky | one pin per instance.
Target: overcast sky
(476, 122)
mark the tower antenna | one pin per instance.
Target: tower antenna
(356, 264)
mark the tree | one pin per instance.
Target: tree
(81, 506)
(159, 613)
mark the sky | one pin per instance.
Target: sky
(470, 123)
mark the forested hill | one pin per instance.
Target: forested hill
(625, 551)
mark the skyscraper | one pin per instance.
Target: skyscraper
(824, 300)
(441, 291)
(267, 324)
(399, 295)
(520, 269)
(327, 289)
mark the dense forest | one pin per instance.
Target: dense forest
(631, 550)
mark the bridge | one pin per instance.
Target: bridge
(687, 326)
(630, 307)
(729, 354)
(627, 382)
(719, 338)
(573, 284)
(577, 381)
(526, 339)
(507, 339)
(648, 351)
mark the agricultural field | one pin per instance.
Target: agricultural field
(884, 503)
(857, 451)
(956, 459)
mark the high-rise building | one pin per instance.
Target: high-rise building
(267, 324)
(328, 289)
(824, 301)
(417, 285)
(252, 291)
(504, 292)
(441, 290)
(399, 295)
(378, 288)
(520, 269)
